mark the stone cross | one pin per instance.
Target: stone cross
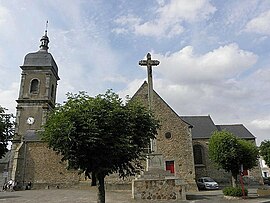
(149, 63)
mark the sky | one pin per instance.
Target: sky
(214, 54)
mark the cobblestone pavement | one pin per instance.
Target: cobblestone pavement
(89, 196)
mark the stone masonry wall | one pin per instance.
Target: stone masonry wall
(208, 168)
(42, 165)
(178, 148)
(164, 189)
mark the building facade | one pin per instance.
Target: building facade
(265, 168)
(203, 127)
(174, 139)
(183, 141)
(31, 160)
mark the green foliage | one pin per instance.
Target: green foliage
(265, 151)
(6, 130)
(248, 154)
(229, 152)
(234, 191)
(223, 150)
(100, 135)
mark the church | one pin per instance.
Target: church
(182, 140)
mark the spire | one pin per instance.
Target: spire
(44, 40)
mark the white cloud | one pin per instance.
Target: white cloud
(131, 88)
(7, 97)
(7, 24)
(260, 24)
(115, 78)
(222, 63)
(203, 83)
(129, 19)
(4, 13)
(261, 124)
(170, 17)
(178, 10)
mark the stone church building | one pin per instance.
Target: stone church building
(182, 140)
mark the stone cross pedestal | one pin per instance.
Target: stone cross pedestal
(149, 63)
(169, 189)
(156, 183)
(155, 161)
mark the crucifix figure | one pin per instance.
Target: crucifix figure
(149, 63)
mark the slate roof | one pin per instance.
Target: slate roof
(203, 127)
(40, 59)
(237, 129)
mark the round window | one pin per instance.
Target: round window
(168, 135)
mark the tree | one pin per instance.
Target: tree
(100, 135)
(265, 151)
(6, 130)
(230, 152)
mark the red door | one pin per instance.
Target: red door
(170, 166)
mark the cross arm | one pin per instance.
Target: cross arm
(143, 63)
(154, 62)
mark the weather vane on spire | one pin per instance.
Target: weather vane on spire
(45, 40)
(46, 27)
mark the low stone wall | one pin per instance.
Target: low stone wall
(159, 189)
(263, 192)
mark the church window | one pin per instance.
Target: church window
(34, 86)
(147, 150)
(168, 135)
(198, 154)
(52, 91)
(170, 166)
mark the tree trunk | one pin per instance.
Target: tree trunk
(101, 188)
(94, 179)
(234, 179)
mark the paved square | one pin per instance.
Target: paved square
(90, 196)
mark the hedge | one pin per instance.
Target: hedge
(234, 191)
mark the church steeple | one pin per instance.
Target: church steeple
(44, 40)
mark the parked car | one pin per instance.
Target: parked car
(266, 180)
(207, 183)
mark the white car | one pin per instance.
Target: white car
(207, 183)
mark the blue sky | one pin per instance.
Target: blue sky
(214, 55)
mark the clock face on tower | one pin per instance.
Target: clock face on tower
(30, 120)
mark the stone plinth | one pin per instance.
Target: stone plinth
(163, 188)
(263, 192)
(154, 161)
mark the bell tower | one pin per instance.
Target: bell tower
(37, 90)
(37, 97)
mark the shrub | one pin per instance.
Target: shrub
(234, 191)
